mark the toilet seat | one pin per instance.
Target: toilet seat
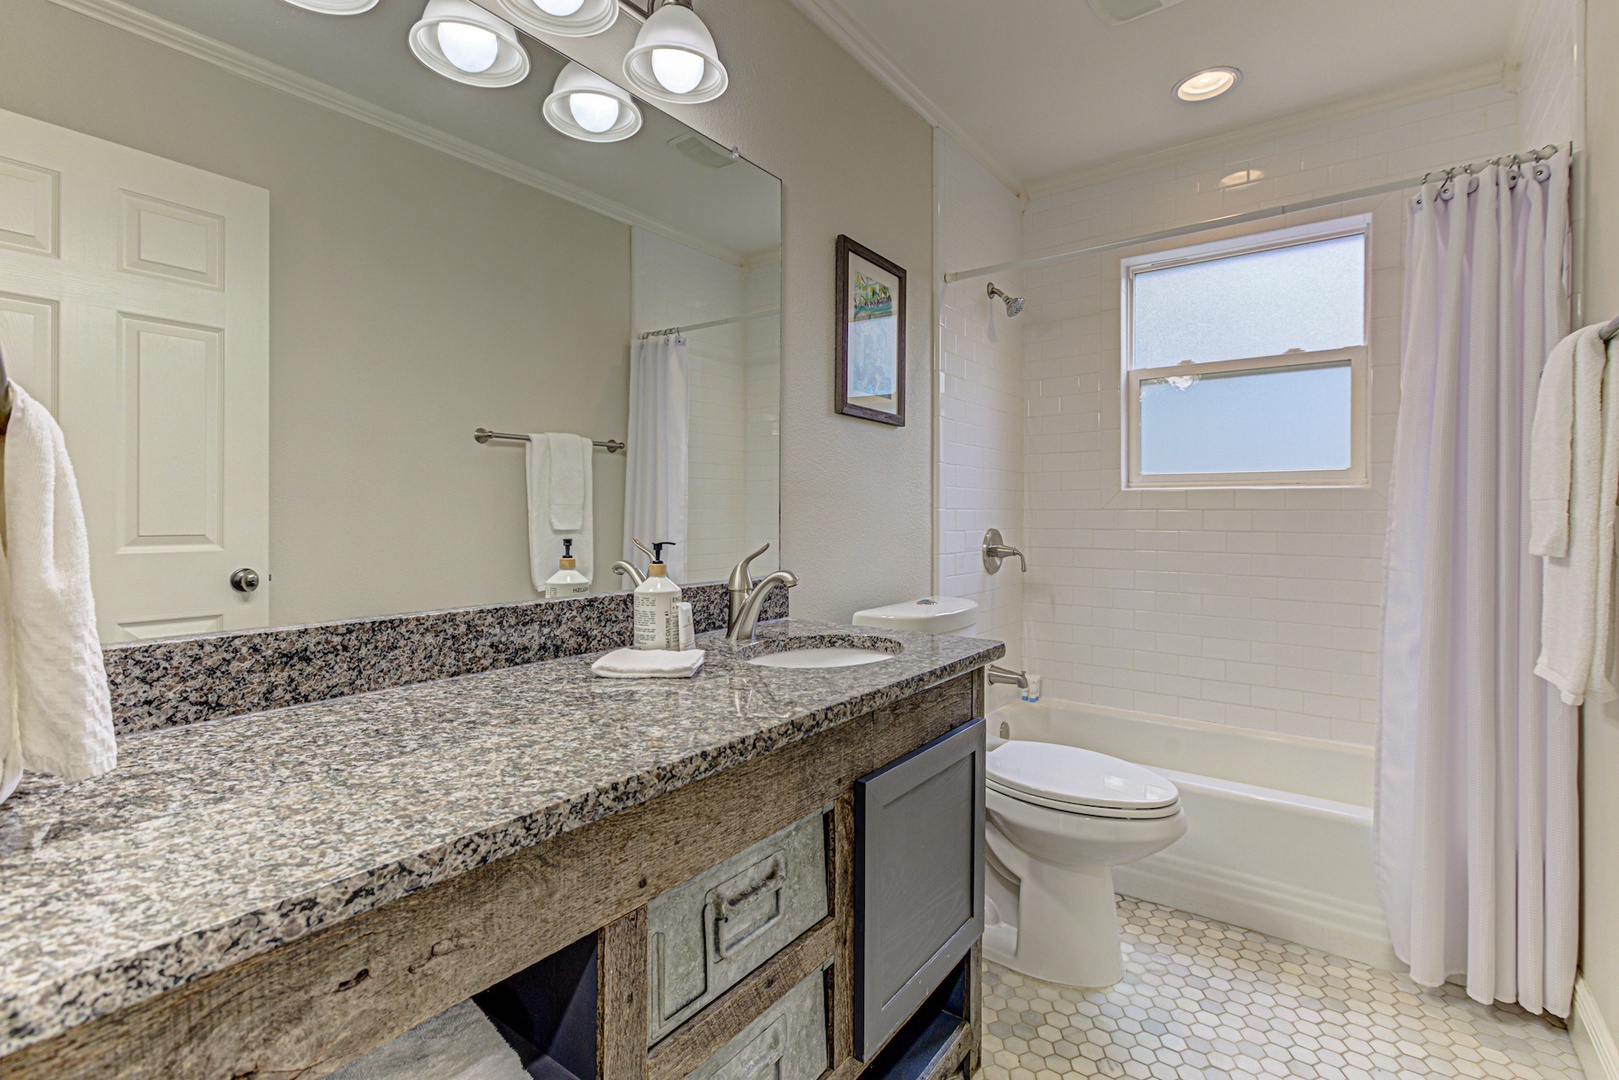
(1078, 781)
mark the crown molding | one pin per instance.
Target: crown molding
(143, 24)
(843, 30)
(1491, 73)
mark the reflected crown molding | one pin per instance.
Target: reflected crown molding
(144, 24)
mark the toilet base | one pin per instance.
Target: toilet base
(1066, 929)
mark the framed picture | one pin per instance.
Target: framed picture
(871, 335)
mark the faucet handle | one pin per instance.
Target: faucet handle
(740, 580)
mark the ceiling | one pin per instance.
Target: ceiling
(1045, 88)
(734, 211)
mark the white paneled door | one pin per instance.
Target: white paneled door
(134, 303)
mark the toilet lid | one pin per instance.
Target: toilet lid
(1070, 776)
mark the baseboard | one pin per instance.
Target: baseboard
(1593, 1039)
(1336, 926)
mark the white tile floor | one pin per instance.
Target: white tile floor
(1201, 999)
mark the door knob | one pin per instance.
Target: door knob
(245, 580)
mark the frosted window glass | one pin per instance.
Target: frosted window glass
(1281, 420)
(1264, 303)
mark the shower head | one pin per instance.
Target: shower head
(1014, 304)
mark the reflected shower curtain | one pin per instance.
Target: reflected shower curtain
(655, 481)
(1477, 809)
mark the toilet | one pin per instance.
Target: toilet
(1057, 820)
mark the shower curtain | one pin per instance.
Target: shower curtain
(655, 480)
(1477, 809)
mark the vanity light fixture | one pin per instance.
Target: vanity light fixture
(335, 7)
(564, 18)
(674, 59)
(461, 41)
(1207, 84)
(586, 106)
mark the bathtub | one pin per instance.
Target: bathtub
(1279, 828)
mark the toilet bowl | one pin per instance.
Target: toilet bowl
(1058, 819)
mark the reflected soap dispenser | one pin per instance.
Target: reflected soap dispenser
(567, 581)
(657, 605)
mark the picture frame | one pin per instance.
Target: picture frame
(870, 362)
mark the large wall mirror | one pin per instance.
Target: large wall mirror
(271, 273)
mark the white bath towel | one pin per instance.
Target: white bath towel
(1573, 482)
(457, 1044)
(547, 496)
(649, 664)
(55, 713)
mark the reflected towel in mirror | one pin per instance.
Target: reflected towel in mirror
(572, 495)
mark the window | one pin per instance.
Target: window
(1245, 361)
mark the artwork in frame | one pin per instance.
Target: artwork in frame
(870, 335)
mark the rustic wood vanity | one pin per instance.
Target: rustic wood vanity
(632, 879)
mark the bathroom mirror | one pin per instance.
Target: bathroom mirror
(271, 272)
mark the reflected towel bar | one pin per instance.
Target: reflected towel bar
(483, 435)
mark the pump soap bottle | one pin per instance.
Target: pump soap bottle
(567, 581)
(657, 610)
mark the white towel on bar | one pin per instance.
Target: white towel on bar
(457, 1044)
(55, 712)
(1573, 483)
(649, 664)
(550, 488)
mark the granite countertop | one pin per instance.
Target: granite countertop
(218, 841)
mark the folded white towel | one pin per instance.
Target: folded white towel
(649, 664)
(1573, 482)
(457, 1044)
(559, 495)
(55, 712)
(570, 458)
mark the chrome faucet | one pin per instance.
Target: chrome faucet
(747, 598)
(1007, 676)
(624, 569)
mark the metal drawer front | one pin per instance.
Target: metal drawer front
(706, 936)
(787, 1042)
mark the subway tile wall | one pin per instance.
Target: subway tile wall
(981, 406)
(1551, 100)
(1250, 607)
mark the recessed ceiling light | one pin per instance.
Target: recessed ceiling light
(1208, 83)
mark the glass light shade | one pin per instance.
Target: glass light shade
(587, 107)
(1208, 83)
(461, 41)
(335, 7)
(595, 113)
(672, 44)
(564, 18)
(470, 48)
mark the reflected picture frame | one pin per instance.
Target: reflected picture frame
(870, 360)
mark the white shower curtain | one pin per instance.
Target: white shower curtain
(655, 484)
(1477, 808)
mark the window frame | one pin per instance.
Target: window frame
(1357, 475)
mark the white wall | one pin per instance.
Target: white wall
(1255, 608)
(1551, 98)
(980, 461)
(763, 357)
(856, 495)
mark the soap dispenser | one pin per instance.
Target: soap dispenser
(657, 605)
(567, 581)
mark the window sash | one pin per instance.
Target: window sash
(1356, 475)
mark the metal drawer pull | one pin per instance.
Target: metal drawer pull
(762, 1059)
(733, 926)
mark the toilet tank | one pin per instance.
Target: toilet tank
(929, 615)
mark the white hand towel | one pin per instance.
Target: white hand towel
(544, 538)
(1573, 476)
(570, 465)
(457, 1044)
(649, 664)
(55, 712)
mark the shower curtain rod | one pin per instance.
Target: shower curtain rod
(1251, 215)
(749, 317)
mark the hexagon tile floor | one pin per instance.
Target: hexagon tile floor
(1202, 1000)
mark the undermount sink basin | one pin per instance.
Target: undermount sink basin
(830, 657)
